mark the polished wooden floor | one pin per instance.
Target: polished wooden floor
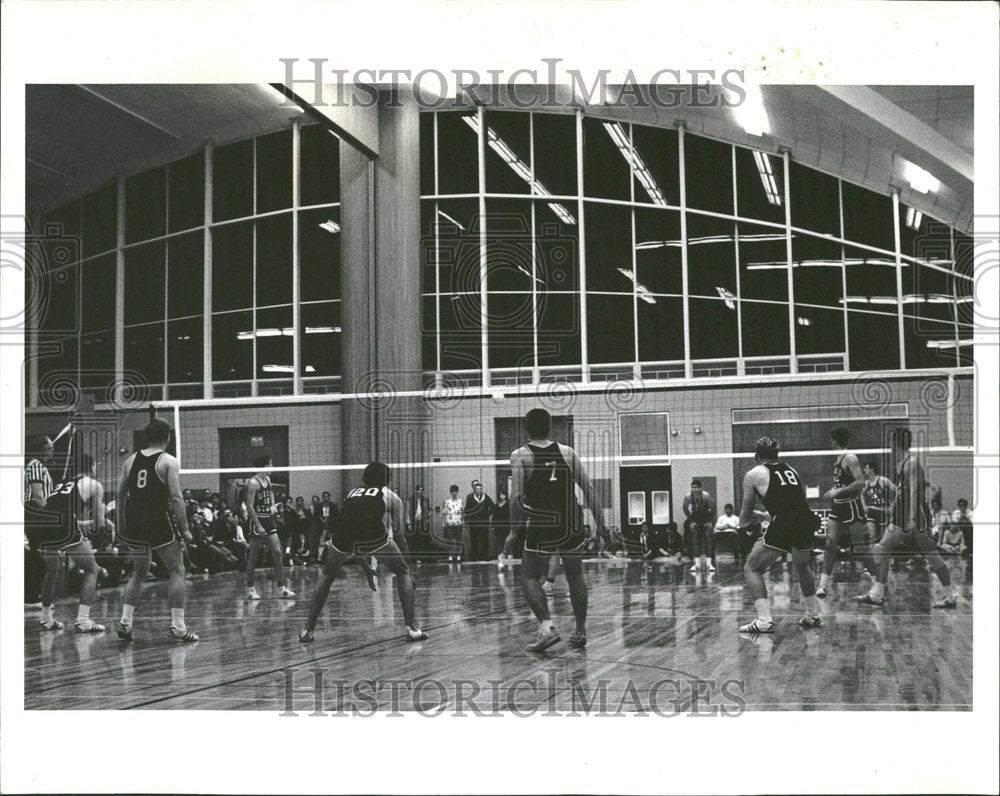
(648, 623)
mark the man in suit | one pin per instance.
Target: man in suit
(418, 514)
(479, 508)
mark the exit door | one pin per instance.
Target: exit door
(645, 498)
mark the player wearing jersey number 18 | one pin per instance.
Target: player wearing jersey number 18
(791, 530)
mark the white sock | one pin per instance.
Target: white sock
(824, 581)
(127, 611)
(177, 618)
(878, 591)
(812, 605)
(546, 626)
(46, 613)
(763, 609)
(83, 613)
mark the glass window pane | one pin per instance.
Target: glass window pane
(145, 283)
(661, 330)
(610, 329)
(606, 171)
(510, 253)
(510, 330)
(815, 200)
(321, 338)
(708, 171)
(819, 289)
(61, 295)
(100, 221)
(319, 153)
(63, 222)
(274, 171)
(872, 326)
(146, 205)
(57, 366)
(187, 192)
(144, 353)
(428, 250)
(274, 260)
(458, 164)
(232, 181)
(555, 153)
(232, 346)
(456, 232)
(319, 253)
(608, 238)
(964, 288)
(658, 251)
(558, 329)
(98, 294)
(429, 332)
(508, 152)
(185, 275)
(274, 343)
(427, 154)
(232, 266)
(711, 256)
(557, 249)
(713, 329)
(460, 332)
(659, 181)
(97, 360)
(760, 185)
(763, 290)
(185, 350)
(868, 217)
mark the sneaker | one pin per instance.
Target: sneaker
(821, 592)
(758, 625)
(415, 634)
(182, 635)
(252, 593)
(124, 631)
(547, 588)
(577, 640)
(89, 627)
(945, 602)
(867, 599)
(285, 593)
(544, 641)
(55, 624)
(306, 637)
(711, 567)
(810, 621)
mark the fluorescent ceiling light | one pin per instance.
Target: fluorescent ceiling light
(766, 173)
(634, 159)
(948, 343)
(802, 321)
(913, 218)
(921, 180)
(641, 291)
(728, 296)
(751, 114)
(285, 369)
(530, 275)
(518, 166)
(330, 226)
(450, 220)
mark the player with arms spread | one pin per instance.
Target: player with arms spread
(543, 501)
(791, 530)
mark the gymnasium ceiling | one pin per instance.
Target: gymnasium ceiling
(79, 138)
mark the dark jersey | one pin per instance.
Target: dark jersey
(65, 506)
(841, 475)
(784, 497)
(263, 500)
(550, 487)
(876, 496)
(905, 497)
(363, 513)
(148, 495)
(700, 509)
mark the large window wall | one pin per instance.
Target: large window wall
(569, 247)
(204, 253)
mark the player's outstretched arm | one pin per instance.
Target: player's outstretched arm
(173, 478)
(518, 465)
(253, 485)
(590, 496)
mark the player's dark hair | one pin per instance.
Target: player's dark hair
(766, 448)
(538, 423)
(157, 431)
(376, 474)
(841, 436)
(728, 506)
(263, 460)
(873, 464)
(696, 482)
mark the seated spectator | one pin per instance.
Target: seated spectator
(962, 519)
(228, 534)
(953, 541)
(940, 520)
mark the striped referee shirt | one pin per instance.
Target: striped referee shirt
(37, 473)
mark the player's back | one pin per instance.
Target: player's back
(784, 494)
(905, 495)
(365, 508)
(65, 504)
(549, 486)
(148, 495)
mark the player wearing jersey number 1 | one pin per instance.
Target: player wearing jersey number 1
(791, 530)
(263, 528)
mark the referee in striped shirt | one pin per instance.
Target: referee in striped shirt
(37, 487)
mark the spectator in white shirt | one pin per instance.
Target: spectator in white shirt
(453, 522)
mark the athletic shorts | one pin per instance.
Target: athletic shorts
(878, 516)
(46, 530)
(792, 532)
(896, 536)
(268, 524)
(848, 511)
(548, 534)
(148, 532)
(353, 540)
